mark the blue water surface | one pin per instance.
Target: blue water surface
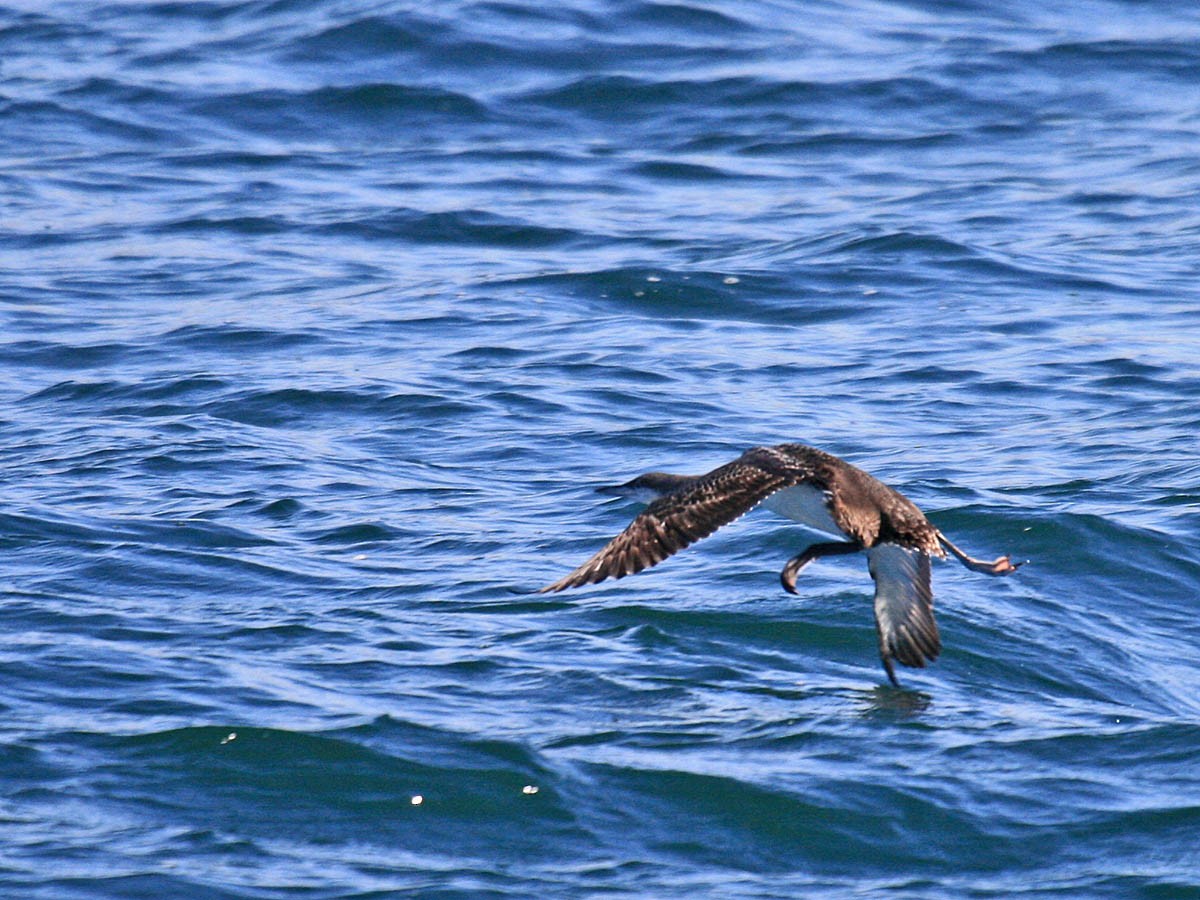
(322, 319)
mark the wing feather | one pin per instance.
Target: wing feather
(904, 618)
(677, 520)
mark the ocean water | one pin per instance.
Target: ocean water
(322, 319)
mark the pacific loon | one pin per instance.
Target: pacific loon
(818, 490)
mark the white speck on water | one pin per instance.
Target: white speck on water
(870, 292)
(232, 736)
(731, 279)
(360, 556)
(529, 789)
(417, 800)
(653, 278)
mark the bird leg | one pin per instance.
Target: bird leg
(1002, 565)
(834, 548)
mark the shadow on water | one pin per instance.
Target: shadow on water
(892, 704)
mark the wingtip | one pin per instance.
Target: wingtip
(573, 580)
(891, 671)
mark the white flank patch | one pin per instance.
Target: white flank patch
(804, 504)
(640, 494)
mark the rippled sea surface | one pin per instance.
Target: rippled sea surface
(322, 319)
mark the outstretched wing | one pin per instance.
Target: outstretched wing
(673, 522)
(903, 606)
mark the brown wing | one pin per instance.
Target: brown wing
(673, 522)
(903, 606)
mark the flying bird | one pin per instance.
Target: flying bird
(816, 489)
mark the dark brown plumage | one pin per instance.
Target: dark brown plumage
(814, 488)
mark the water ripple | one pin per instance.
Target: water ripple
(323, 321)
